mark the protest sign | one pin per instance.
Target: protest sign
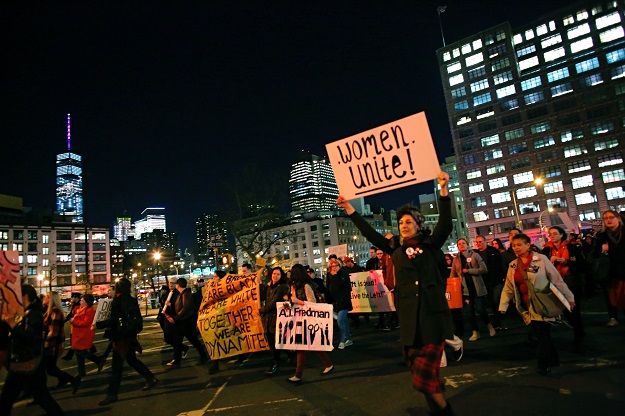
(369, 293)
(306, 327)
(104, 310)
(229, 317)
(340, 251)
(387, 157)
(10, 284)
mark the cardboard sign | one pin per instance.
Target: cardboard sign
(10, 284)
(339, 251)
(391, 156)
(104, 310)
(369, 293)
(306, 327)
(229, 317)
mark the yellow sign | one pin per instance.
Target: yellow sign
(229, 317)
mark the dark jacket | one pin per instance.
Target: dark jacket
(27, 336)
(119, 306)
(494, 263)
(616, 254)
(419, 287)
(341, 289)
(185, 308)
(268, 311)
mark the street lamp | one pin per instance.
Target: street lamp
(40, 278)
(519, 223)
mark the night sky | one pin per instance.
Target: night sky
(177, 103)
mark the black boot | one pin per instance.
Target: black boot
(68, 355)
(273, 369)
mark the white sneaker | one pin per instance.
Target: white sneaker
(341, 346)
(612, 322)
(349, 342)
(475, 336)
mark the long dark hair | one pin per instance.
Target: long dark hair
(123, 286)
(282, 276)
(299, 277)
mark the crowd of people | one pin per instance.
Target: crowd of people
(415, 270)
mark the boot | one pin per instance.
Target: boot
(475, 336)
(272, 370)
(68, 355)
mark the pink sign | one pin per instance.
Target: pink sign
(10, 284)
(391, 156)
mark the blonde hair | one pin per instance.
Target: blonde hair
(616, 214)
(55, 302)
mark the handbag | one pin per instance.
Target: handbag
(545, 303)
(23, 360)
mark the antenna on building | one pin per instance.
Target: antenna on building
(69, 133)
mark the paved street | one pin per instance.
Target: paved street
(495, 377)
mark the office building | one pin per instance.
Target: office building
(69, 201)
(537, 114)
(312, 185)
(122, 228)
(152, 219)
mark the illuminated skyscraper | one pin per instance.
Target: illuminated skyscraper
(153, 219)
(69, 200)
(121, 230)
(312, 185)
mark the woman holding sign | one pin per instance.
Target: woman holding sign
(422, 307)
(277, 291)
(301, 292)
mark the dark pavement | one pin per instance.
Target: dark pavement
(496, 377)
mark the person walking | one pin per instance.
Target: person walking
(277, 290)
(424, 316)
(610, 243)
(27, 339)
(54, 339)
(341, 289)
(537, 270)
(83, 334)
(125, 344)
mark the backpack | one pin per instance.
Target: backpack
(131, 321)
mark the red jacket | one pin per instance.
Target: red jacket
(82, 334)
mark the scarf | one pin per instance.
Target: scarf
(615, 236)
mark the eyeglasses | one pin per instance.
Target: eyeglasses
(609, 217)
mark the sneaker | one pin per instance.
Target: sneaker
(612, 322)
(459, 353)
(349, 342)
(386, 329)
(185, 351)
(294, 380)
(327, 370)
(173, 363)
(341, 345)
(150, 384)
(491, 330)
(475, 336)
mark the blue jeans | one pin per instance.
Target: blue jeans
(344, 333)
(478, 304)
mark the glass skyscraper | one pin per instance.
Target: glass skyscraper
(69, 201)
(312, 185)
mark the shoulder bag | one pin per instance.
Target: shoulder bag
(545, 303)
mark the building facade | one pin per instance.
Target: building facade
(69, 200)
(537, 114)
(151, 219)
(312, 186)
(122, 228)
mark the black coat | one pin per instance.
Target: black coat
(420, 287)
(268, 311)
(341, 290)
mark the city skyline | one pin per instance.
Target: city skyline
(170, 103)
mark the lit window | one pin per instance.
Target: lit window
(578, 166)
(576, 150)
(552, 26)
(606, 144)
(505, 91)
(614, 193)
(523, 177)
(456, 79)
(602, 128)
(540, 127)
(477, 72)
(581, 45)
(587, 65)
(526, 50)
(498, 183)
(458, 92)
(474, 173)
(553, 54)
(494, 169)
(516, 39)
(582, 182)
(476, 187)
(479, 85)
(531, 83)
(578, 31)
(480, 216)
(558, 74)
(490, 140)
(503, 77)
(541, 30)
(529, 34)
(582, 15)
(456, 66)
(500, 64)
(497, 50)
(466, 48)
(608, 20)
(550, 172)
(481, 99)
(568, 20)
(509, 105)
(544, 142)
(501, 197)
(596, 10)
(528, 63)
(553, 187)
(591, 80)
(610, 35)
(479, 201)
(613, 176)
(446, 56)
(517, 148)
(514, 134)
(493, 154)
(461, 105)
(617, 72)
(551, 40)
(615, 56)
(609, 160)
(526, 192)
(567, 136)
(586, 198)
(561, 89)
(556, 203)
(474, 59)
(534, 97)
(477, 44)
(456, 52)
